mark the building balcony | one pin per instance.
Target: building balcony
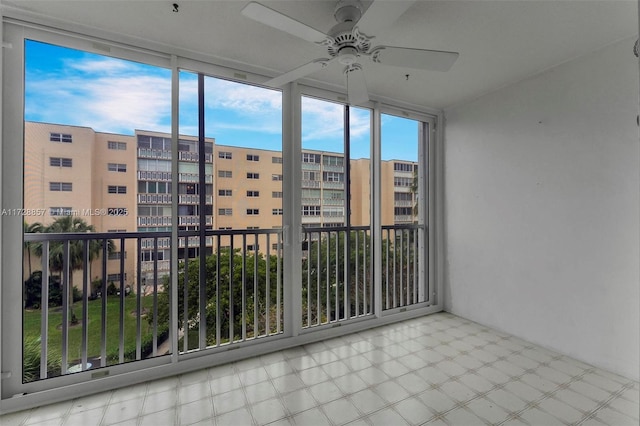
(333, 185)
(194, 157)
(156, 176)
(193, 177)
(154, 198)
(154, 153)
(193, 220)
(332, 168)
(333, 202)
(310, 166)
(311, 184)
(193, 199)
(410, 370)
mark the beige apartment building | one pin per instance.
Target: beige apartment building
(122, 183)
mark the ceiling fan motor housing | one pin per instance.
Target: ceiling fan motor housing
(348, 11)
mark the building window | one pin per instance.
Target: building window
(115, 277)
(253, 193)
(252, 157)
(225, 155)
(403, 211)
(310, 158)
(333, 177)
(224, 192)
(310, 210)
(310, 175)
(402, 196)
(117, 230)
(60, 137)
(60, 211)
(60, 162)
(225, 228)
(120, 146)
(275, 246)
(402, 181)
(331, 160)
(116, 255)
(402, 167)
(225, 173)
(276, 194)
(60, 186)
(253, 227)
(276, 212)
(225, 212)
(116, 189)
(276, 160)
(253, 175)
(117, 167)
(253, 212)
(253, 247)
(276, 177)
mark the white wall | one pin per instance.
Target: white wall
(542, 207)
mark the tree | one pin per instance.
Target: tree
(71, 224)
(227, 299)
(29, 246)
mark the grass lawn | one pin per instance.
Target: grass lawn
(32, 319)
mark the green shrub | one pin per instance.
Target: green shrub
(31, 361)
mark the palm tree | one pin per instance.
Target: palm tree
(28, 245)
(71, 224)
(414, 190)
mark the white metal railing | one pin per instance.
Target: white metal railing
(116, 312)
(400, 266)
(336, 275)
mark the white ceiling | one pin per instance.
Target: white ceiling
(500, 42)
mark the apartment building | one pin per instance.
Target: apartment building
(75, 171)
(122, 183)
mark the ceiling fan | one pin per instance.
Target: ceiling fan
(349, 42)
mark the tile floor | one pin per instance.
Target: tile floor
(434, 370)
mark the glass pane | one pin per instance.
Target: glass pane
(97, 308)
(403, 231)
(238, 299)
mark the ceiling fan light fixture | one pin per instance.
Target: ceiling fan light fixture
(348, 55)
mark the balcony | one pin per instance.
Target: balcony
(193, 177)
(154, 153)
(310, 166)
(438, 367)
(193, 199)
(333, 185)
(332, 168)
(154, 198)
(151, 175)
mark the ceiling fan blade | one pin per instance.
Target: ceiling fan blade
(433, 60)
(299, 72)
(281, 22)
(356, 85)
(382, 13)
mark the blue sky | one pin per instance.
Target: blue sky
(72, 87)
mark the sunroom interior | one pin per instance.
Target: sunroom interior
(430, 229)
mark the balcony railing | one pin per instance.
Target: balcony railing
(336, 275)
(95, 313)
(333, 185)
(154, 198)
(115, 312)
(401, 264)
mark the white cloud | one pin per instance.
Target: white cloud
(322, 120)
(108, 95)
